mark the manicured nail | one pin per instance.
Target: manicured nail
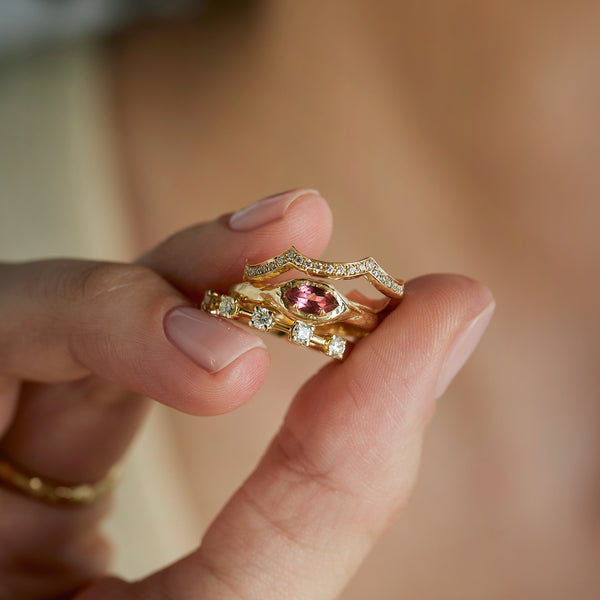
(210, 342)
(266, 210)
(462, 347)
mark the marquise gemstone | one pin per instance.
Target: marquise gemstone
(310, 299)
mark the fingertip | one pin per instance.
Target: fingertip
(311, 222)
(408, 350)
(450, 292)
(223, 391)
(238, 382)
(306, 224)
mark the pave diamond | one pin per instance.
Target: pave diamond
(281, 260)
(336, 346)
(227, 307)
(329, 269)
(302, 333)
(340, 270)
(262, 318)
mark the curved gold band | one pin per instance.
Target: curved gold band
(292, 259)
(39, 488)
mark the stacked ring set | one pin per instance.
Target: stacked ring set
(308, 311)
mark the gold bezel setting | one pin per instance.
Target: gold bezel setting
(329, 316)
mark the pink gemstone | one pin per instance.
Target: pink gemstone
(310, 299)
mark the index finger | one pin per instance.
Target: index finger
(137, 326)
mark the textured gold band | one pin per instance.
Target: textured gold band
(345, 316)
(42, 489)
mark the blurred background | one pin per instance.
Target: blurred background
(451, 136)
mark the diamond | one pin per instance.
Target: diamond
(299, 260)
(362, 267)
(262, 318)
(317, 267)
(281, 260)
(329, 269)
(340, 270)
(302, 333)
(336, 346)
(308, 263)
(310, 299)
(227, 307)
(351, 269)
(290, 254)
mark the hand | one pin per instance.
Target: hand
(82, 344)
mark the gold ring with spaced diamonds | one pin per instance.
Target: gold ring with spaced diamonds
(268, 318)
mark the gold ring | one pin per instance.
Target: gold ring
(268, 319)
(44, 490)
(292, 259)
(309, 312)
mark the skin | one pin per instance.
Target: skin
(487, 119)
(332, 478)
(454, 136)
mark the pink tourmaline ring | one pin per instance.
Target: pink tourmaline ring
(310, 312)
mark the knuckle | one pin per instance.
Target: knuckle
(301, 466)
(99, 280)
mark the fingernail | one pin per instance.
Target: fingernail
(210, 342)
(462, 347)
(266, 210)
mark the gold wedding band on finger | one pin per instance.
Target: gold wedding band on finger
(309, 312)
(49, 492)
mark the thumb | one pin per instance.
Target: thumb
(343, 462)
